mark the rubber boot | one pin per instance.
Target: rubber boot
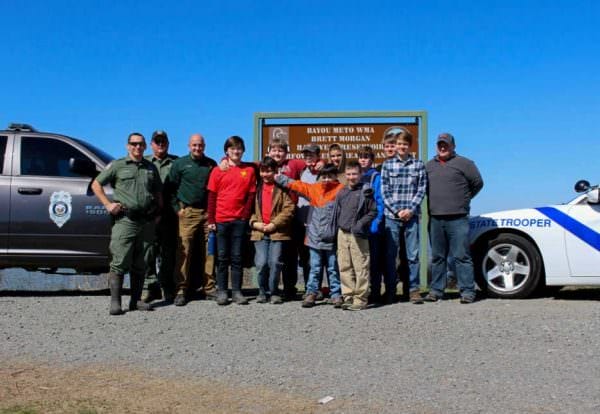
(135, 301)
(115, 283)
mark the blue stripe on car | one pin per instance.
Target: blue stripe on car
(579, 230)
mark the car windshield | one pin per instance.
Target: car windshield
(104, 156)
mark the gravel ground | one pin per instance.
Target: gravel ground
(536, 355)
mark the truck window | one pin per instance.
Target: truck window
(48, 157)
(3, 140)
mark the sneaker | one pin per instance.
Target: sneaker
(431, 297)
(320, 296)
(239, 298)
(276, 300)
(347, 303)
(261, 299)
(309, 300)
(357, 307)
(337, 302)
(180, 300)
(415, 297)
(465, 300)
(222, 298)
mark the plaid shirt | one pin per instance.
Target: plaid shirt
(403, 185)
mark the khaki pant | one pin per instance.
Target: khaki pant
(191, 254)
(353, 262)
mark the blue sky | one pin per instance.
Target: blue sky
(516, 82)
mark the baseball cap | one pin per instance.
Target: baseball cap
(159, 136)
(446, 137)
(313, 148)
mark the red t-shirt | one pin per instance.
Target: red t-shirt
(292, 168)
(267, 202)
(232, 188)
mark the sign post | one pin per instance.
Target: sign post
(351, 130)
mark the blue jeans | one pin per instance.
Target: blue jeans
(230, 239)
(394, 230)
(268, 265)
(318, 259)
(450, 237)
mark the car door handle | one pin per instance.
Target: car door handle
(29, 190)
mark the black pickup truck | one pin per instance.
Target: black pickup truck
(49, 217)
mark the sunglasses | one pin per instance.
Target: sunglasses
(137, 143)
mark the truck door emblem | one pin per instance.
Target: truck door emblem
(60, 207)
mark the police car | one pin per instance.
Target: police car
(515, 252)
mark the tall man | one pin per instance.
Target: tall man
(188, 178)
(137, 199)
(453, 182)
(161, 240)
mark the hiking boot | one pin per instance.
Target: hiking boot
(261, 299)
(431, 297)
(465, 300)
(309, 300)
(357, 307)
(239, 298)
(415, 297)
(115, 283)
(222, 298)
(276, 300)
(320, 296)
(135, 300)
(180, 299)
(152, 293)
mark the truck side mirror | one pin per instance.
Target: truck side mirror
(582, 186)
(83, 167)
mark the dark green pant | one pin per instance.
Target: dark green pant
(127, 246)
(160, 242)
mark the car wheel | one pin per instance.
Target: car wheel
(508, 266)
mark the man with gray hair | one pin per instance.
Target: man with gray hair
(453, 182)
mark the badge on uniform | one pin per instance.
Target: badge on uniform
(60, 207)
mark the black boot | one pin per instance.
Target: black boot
(115, 283)
(135, 301)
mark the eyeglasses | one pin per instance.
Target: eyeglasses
(137, 143)
(160, 143)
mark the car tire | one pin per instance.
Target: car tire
(507, 266)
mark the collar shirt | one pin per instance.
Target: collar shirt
(403, 185)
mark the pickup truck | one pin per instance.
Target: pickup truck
(49, 217)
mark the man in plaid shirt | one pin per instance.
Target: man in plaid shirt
(403, 184)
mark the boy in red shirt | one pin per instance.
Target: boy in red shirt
(230, 198)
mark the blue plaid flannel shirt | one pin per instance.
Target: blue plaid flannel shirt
(403, 185)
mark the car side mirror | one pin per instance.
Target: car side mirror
(593, 197)
(582, 186)
(83, 167)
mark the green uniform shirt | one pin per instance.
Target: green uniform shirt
(189, 178)
(135, 183)
(163, 166)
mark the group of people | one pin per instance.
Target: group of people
(345, 220)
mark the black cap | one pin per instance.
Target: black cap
(159, 135)
(446, 137)
(312, 148)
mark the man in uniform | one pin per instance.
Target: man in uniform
(161, 240)
(137, 199)
(188, 178)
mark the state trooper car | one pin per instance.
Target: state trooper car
(49, 216)
(515, 252)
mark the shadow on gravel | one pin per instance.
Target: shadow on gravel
(579, 293)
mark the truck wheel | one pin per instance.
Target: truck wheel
(508, 266)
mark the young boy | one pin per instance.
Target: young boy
(403, 185)
(320, 231)
(372, 178)
(271, 225)
(230, 198)
(355, 210)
